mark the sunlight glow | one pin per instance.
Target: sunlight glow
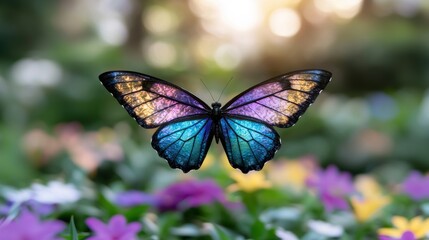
(237, 15)
(241, 15)
(313, 15)
(285, 22)
(160, 54)
(346, 9)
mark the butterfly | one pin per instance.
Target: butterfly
(244, 125)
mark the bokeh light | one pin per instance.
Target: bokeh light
(232, 16)
(160, 54)
(159, 20)
(285, 22)
(112, 30)
(36, 72)
(346, 9)
(109, 19)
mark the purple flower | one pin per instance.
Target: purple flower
(28, 226)
(190, 193)
(116, 229)
(408, 235)
(134, 198)
(416, 186)
(332, 187)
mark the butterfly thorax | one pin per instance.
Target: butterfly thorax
(216, 116)
(216, 112)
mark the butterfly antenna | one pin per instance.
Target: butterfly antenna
(207, 89)
(224, 88)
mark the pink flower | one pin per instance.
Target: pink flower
(28, 226)
(116, 229)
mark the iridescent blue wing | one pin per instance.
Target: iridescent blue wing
(151, 101)
(184, 142)
(248, 143)
(280, 101)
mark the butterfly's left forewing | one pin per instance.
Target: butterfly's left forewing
(184, 142)
(151, 101)
(248, 143)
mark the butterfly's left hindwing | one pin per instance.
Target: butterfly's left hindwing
(248, 143)
(184, 143)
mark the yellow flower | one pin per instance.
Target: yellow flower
(417, 226)
(368, 186)
(248, 182)
(371, 198)
(365, 208)
(291, 173)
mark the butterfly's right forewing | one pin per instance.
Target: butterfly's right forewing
(280, 101)
(151, 101)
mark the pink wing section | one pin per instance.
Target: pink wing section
(280, 101)
(151, 101)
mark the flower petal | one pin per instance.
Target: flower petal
(400, 222)
(419, 227)
(96, 225)
(391, 232)
(415, 224)
(408, 235)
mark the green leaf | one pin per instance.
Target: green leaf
(166, 223)
(258, 230)
(218, 232)
(73, 231)
(107, 206)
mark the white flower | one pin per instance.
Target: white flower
(285, 235)
(18, 196)
(55, 192)
(325, 228)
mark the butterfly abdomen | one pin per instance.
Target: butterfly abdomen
(216, 115)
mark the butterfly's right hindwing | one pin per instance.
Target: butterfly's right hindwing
(184, 143)
(248, 143)
(151, 101)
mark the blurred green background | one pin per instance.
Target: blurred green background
(373, 116)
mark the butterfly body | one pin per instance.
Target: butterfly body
(244, 125)
(216, 115)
